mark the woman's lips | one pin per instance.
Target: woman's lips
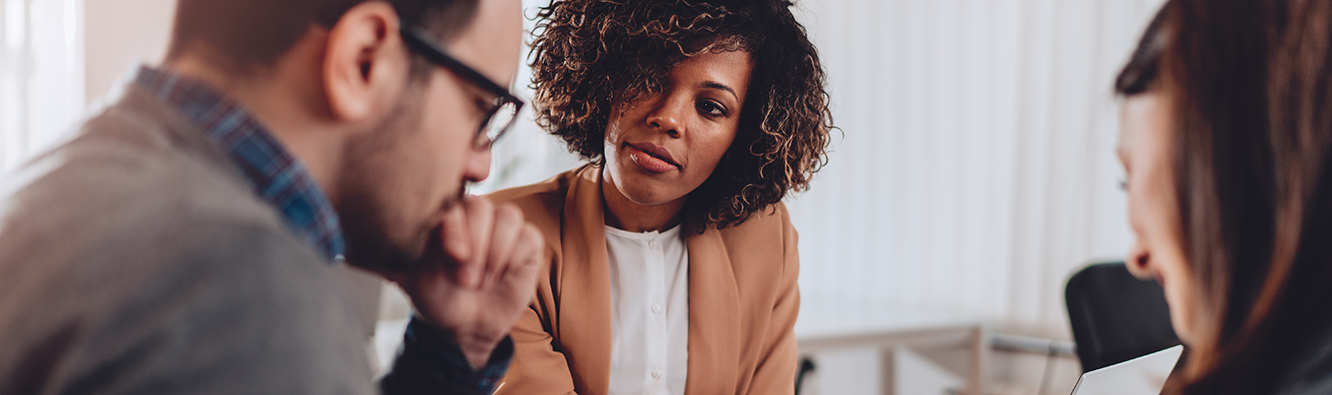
(652, 162)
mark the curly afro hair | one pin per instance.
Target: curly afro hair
(591, 54)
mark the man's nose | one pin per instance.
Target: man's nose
(477, 165)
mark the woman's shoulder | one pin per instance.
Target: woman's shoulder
(1317, 382)
(774, 221)
(1313, 375)
(763, 255)
(764, 238)
(542, 202)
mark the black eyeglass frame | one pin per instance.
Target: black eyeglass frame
(417, 39)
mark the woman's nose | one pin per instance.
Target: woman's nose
(1138, 261)
(667, 118)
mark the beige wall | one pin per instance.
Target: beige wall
(121, 34)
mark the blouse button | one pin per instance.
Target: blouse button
(656, 308)
(656, 374)
(654, 244)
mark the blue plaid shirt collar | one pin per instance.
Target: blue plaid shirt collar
(275, 175)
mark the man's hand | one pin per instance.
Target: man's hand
(476, 282)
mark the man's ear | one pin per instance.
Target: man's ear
(365, 62)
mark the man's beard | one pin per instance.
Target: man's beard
(377, 240)
(378, 237)
(377, 244)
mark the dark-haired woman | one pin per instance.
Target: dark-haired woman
(673, 262)
(1227, 143)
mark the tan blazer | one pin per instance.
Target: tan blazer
(743, 299)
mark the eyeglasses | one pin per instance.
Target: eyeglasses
(499, 118)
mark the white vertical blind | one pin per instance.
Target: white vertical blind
(41, 75)
(975, 168)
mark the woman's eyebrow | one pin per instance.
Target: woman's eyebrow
(718, 86)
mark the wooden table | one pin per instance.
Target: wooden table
(829, 325)
(832, 325)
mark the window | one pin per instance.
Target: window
(41, 75)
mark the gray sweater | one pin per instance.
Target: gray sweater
(135, 259)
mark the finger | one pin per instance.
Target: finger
(519, 282)
(531, 243)
(526, 260)
(454, 234)
(508, 224)
(480, 224)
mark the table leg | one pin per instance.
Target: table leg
(980, 354)
(888, 369)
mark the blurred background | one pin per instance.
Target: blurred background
(973, 172)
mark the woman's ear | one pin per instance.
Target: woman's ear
(366, 64)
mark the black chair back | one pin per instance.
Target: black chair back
(1115, 316)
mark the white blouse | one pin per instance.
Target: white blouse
(649, 284)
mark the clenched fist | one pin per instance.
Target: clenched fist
(479, 277)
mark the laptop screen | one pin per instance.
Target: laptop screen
(1144, 375)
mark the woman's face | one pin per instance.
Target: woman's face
(662, 146)
(1145, 148)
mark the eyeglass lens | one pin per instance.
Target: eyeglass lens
(500, 121)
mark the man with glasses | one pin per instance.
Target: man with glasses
(185, 240)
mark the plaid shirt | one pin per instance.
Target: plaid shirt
(277, 177)
(429, 359)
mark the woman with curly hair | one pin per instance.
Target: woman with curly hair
(672, 261)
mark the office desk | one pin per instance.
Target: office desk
(831, 325)
(827, 325)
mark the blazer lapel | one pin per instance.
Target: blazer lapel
(714, 316)
(585, 283)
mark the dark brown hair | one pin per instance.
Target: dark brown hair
(1250, 83)
(589, 54)
(253, 34)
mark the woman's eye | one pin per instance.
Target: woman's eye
(711, 109)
